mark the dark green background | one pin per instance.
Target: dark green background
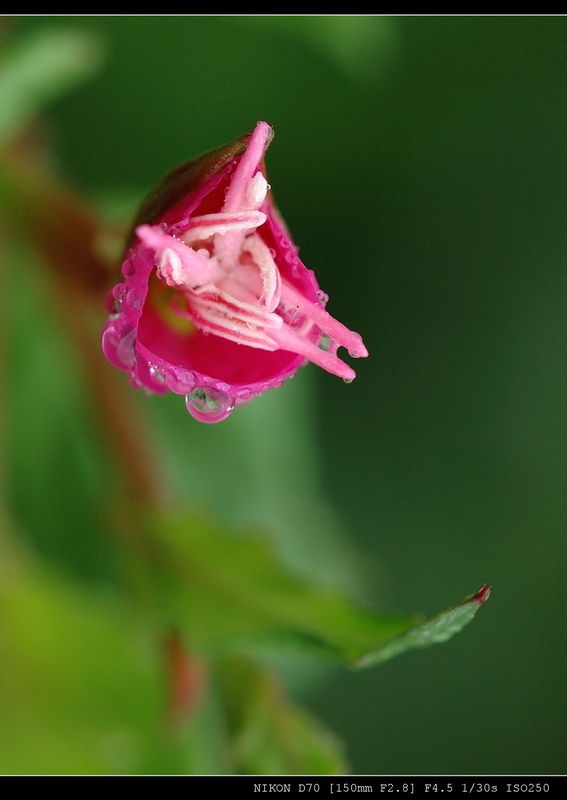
(420, 164)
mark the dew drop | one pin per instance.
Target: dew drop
(208, 405)
(347, 380)
(126, 349)
(359, 354)
(128, 268)
(133, 300)
(116, 298)
(156, 373)
(181, 381)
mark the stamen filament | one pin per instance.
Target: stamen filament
(178, 264)
(332, 327)
(270, 274)
(247, 168)
(214, 310)
(209, 225)
(287, 339)
(245, 189)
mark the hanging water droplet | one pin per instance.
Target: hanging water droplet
(244, 398)
(209, 406)
(128, 268)
(358, 354)
(347, 380)
(126, 349)
(156, 373)
(116, 298)
(133, 300)
(182, 381)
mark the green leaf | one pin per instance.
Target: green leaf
(38, 69)
(267, 734)
(437, 630)
(77, 692)
(226, 591)
(83, 686)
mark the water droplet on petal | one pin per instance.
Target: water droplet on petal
(133, 300)
(362, 351)
(115, 299)
(347, 380)
(181, 382)
(156, 373)
(209, 405)
(126, 349)
(128, 268)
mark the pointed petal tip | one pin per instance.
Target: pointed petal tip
(266, 128)
(345, 372)
(358, 349)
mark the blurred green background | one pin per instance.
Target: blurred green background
(420, 164)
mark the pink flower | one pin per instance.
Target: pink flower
(215, 303)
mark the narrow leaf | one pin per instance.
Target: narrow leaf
(227, 591)
(437, 630)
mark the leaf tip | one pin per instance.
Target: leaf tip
(481, 596)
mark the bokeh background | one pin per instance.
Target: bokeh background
(420, 164)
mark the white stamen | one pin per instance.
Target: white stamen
(256, 191)
(332, 327)
(218, 312)
(210, 225)
(170, 267)
(269, 272)
(288, 339)
(178, 264)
